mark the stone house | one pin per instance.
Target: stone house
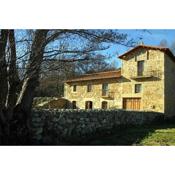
(145, 81)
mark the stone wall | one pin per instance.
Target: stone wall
(77, 126)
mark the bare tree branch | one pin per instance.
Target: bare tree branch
(13, 73)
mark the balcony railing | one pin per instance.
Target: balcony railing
(147, 74)
(107, 94)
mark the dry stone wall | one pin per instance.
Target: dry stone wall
(76, 126)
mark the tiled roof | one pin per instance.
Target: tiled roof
(97, 76)
(164, 49)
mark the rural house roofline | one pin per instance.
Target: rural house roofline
(163, 49)
(117, 73)
(96, 76)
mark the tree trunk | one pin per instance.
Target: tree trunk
(20, 126)
(3, 68)
(15, 112)
(13, 78)
(31, 80)
(3, 80)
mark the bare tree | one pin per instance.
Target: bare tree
(54, 73)
(16, 95)
(172, 47)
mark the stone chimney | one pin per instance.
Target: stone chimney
(140, 42)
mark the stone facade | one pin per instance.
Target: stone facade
(157, 83)
(152, 93)
(81, 95)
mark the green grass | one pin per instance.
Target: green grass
(153, 135)
(160, 137)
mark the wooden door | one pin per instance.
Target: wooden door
(131, 103)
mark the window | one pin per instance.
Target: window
(74, 88)
(104, 104)
(105, 86)
(88, 105)
(138, 88)
(140, 68)
(74, 104)
(104, 89)
(147, 54)
(89, 88)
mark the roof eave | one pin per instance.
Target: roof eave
(74, 81)
(164, 49)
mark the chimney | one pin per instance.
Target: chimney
(140, 42)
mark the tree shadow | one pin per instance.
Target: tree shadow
(125, 136)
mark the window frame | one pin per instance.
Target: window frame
(74, 90)
(147, 55)
(102, 105)
(137, 88)
(104, 86)
(88, 105)
(74, 104)
(89, 87)
(106, 89)
(140, 72)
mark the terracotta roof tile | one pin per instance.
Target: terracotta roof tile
(97, 76)
(164, 49)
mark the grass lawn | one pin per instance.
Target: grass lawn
(154, 135)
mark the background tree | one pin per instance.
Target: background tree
(52, 77)
(163, 43)
(171, 46)
(54, 73)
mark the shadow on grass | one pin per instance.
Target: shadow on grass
(128, 135)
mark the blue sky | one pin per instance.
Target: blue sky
(149, 37)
